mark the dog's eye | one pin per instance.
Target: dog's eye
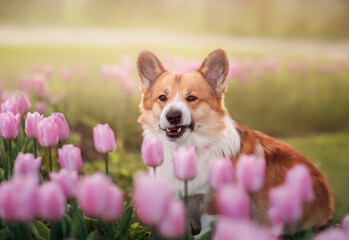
(191, 98)
(162, 98)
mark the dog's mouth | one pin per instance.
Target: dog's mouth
(177, 131)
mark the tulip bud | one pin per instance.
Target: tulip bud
(285, 205)
(10, 125)
(26, 164)
(250, 171)
(31, 123)
(345, 224)
(152, 151)
(99, 198)
(103, 138)
(332, 233)
(19, 199)
(10, 105)
(299, 178)
(232, 201)
(67, 180)
(47, 132)
(151, 197)
(184, 164)
(173, 225)
(19, 98)
(52, 202)
(62, 125)
(40, 107)
(70, 157)
(221, 172)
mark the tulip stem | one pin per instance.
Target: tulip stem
(10, 149)
(50, 157)
(186, 193)
(154, 171)
(59, 144)
(35, 153)
(106, 163)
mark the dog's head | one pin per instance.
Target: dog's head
(177, 106)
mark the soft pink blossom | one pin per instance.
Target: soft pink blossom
(52, 202)
(285, 205)
(19, 199)
(104, 203)
(40, 107)
(152, 151)
(151, 198)
(104, 138)
(15, 101)
(184, 164)
(67, 180)
(250, 171)
(36, 82)
(233, 202)
(26, 164)
(70, 157)
(10, 105)
(220, 173)
(332, 234)
(233, 229)
(9, 125)
(62, 125)
(66, 74)
(299, 178)
(345, 224)
(31, 123)
(173, 225)
(47, 132)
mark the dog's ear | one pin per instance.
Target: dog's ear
(215, 69)
(149, 69)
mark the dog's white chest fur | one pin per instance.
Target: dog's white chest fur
(226, 143)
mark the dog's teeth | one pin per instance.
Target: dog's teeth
(168, 130)
(179, 129)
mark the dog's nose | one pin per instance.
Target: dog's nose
(174, 117)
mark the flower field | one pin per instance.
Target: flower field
(69, 115)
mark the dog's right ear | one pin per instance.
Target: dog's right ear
(149, 69)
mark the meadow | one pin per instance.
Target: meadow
(301, 100)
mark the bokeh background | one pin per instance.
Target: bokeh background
(289, 68)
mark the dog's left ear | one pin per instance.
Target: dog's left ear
(215, 69)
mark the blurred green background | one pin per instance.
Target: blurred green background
(291, 75)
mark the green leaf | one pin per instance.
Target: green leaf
(56, 231)
(206, 236)
(4, 233)
(124, 223)
(78, 227)
(39, 230)
(94, 236)
(2, 175)
(108, 230)
(22, 232)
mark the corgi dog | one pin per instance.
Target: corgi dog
(185, 110)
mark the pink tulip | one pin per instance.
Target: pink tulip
(20, 98)
(9, 125)
(36, 82)
(173, 225)
(232, 201)
(113, 208)
(52, 202)
(47, 132)
(285, 205)
(250, 171)
(151, 197)
(26, 164)
(300, 178)
(10, 105)
(103, 138)
(19, 199)
(184, 164)
(104, 203)
(231, 229)
(220, 173)
(345, 224)
(152, 152)
(31, 123)
(40, 107)
(62, 125)
(67, 180)
(332, 234)
(70, 157)
(66, 74)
